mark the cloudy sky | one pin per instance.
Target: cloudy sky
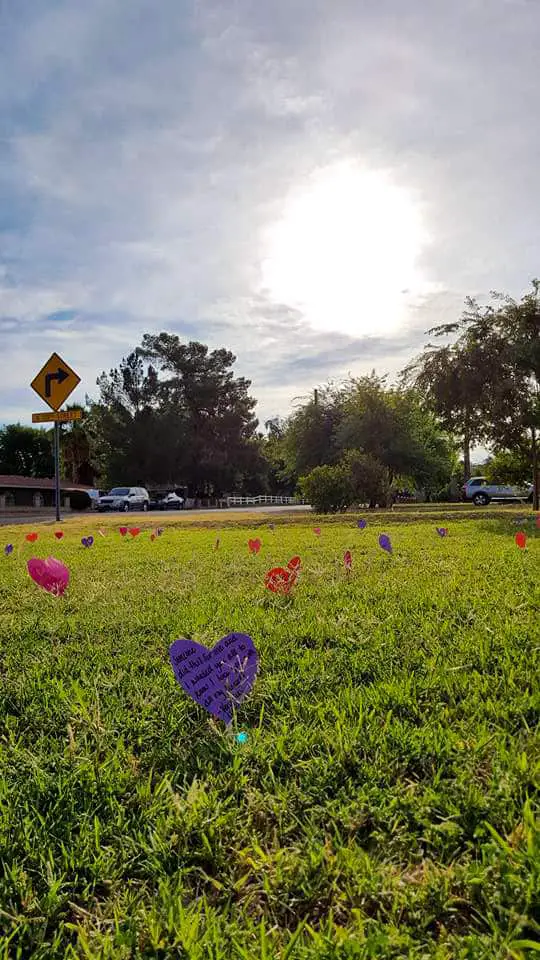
(311, 183)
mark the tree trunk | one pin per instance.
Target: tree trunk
(466, 457)
(536, 477)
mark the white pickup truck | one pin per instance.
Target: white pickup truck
(481, 492)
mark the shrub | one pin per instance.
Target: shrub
(328, 489)
(368, 477)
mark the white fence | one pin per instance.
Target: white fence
(263, 501)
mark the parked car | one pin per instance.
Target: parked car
(481, 492)
(125, 499)
(171, 502)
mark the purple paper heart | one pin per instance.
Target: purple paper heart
(87, 541)
(362, 524)
(384, 542)
(442, 531)
(8, 549)
(216, 679)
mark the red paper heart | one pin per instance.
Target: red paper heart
(134, 531)
(152, 537)
(294, 564)
(59, 534)
(521, 540)
(254, 545)
(31, 537)
(123, 531)
(279, 580)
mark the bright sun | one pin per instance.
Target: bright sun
(345, 252)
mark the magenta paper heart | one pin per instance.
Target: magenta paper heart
(217, 679)
(317, 531)
(50, 574)
(123, 531)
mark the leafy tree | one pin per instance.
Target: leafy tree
(391, 425)
(451, 379)
(308, 438)
(25, 451)
(508, 466)
(175, 414)
(388, 424)
(500, 346)
(75, 452)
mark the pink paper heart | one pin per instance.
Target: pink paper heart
(50, 574)
(317, 531)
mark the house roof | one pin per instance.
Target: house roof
(37, 483)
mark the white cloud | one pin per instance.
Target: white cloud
(149, 158)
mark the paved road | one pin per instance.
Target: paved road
(37, 517)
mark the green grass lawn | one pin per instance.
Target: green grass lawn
(384, 802)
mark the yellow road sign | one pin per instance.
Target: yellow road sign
(55, 381)
(62, 416)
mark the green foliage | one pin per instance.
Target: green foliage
(308, 439)
(385, 802)
(174, 414)
(508, 466)
(488, 380)
(369, 480)
(389, 424)
(328, 489)
(25, 451)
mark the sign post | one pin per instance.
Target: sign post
(54, 383)
(57, 469)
